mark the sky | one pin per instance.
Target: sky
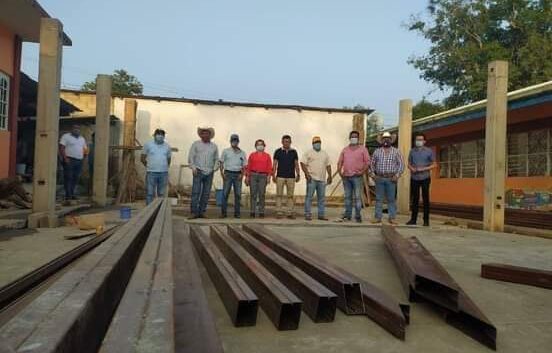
(310, 52)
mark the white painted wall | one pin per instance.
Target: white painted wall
(180, 120)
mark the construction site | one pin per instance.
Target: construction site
(100, 267)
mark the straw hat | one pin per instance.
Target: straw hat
(386, 134)
(210, 129)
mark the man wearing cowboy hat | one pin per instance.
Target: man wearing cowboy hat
(387, 166)
(203, 159)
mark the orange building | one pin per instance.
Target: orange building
(457, 137)
(19, 22)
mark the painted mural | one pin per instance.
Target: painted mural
(529, 199)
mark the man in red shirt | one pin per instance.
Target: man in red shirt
(259, 171)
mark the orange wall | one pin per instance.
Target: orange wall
(4, 153)
(469, 191)
(7, 45)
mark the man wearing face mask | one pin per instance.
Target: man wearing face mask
(387, 166)
(315, 164)
(156, 157)
(232, 167)
(259, 171)
(353, 162)
(73, 149)
(203, 159)
(420, 163)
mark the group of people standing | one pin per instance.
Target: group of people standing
(283, 168)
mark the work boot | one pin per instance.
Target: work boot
(261, 215)
(426, 223)
(411, 223)
(279, 216)
(291, 216)
(308, 218)
(322, 218)
(252, 215)
(358, 220)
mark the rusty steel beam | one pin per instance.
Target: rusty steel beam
(355, 296)
(424, 278)
(517, 274)
(348, 289)
(319, 303)
(238, 299)
(281, 306)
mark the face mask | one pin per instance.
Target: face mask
(259, 148)
(317, 146)
(419, 143)
(234, 143)
(76, 133)
(159, 138)
(386, 143)
(354, 140)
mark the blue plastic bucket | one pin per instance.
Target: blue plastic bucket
(125, 212)
(218, 196)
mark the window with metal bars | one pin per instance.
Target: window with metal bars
(4, 100)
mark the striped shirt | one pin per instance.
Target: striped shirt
(387, 162)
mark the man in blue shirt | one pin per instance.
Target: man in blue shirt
(156, 157)
(420, 162)
(232, 167)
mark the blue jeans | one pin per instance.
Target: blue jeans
(231, 180)
(156, 182)
(71, 173)
(387, 188)
(201, 188)
(353, 196)
(320, 188)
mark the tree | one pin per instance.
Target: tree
(466, 35)
(426, 108)
(122, 83)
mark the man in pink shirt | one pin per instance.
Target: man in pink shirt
(353, 162)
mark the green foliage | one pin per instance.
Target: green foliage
(466, 35)
(426, 108)
(123, 84)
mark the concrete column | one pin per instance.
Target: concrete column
(101, 142)
(47, 122)
(405, 144)
(495, 146)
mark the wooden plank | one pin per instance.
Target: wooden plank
(281, 306)
(517, 274)
(194, 325)
(340, 282)
(319, 303)
(238, 299)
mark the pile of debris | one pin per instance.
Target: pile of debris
(13, 194)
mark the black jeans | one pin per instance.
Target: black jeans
(415, 186)
(71, 174)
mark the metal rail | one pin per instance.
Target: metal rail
(517, 274)
(318, 301)
(278, 302)
(424, 278)
(238, 299)
(355, 296)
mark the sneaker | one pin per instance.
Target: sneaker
(323, 218)
(308, 218)
(343, 219)
(358, 220)
(426, 223)
(392, 221)
(237, 216)
(376, 221)
(411, 223)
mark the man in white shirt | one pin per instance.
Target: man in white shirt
(73, 149)
(316, 164)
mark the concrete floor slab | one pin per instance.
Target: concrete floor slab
(522, 314)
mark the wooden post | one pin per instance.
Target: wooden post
(127, 181)
(495, 146)
(47, 121)
(405, 144)
(101, 142)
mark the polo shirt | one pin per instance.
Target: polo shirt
(316, 163)
(421, 157)
(233, 160)
(157, 155)
(74, 146)
(354, 159)
(286, 162)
